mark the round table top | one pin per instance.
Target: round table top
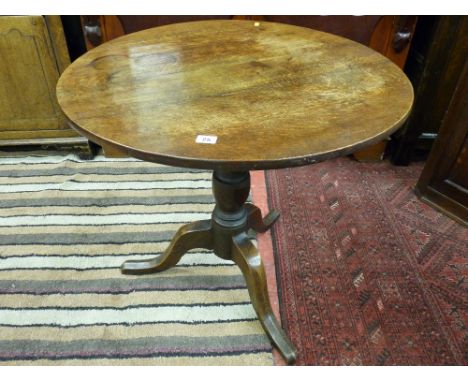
(234, 95)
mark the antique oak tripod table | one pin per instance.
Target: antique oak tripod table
(233, 96)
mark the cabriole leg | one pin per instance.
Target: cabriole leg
(189, 236)
(249, 261)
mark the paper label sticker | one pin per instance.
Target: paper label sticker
(208, 139)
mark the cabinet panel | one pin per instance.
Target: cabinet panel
(459, 173)
(33, 53)
(28, 72)
(30, 135)
(444, 180)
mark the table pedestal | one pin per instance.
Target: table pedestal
(226, 234)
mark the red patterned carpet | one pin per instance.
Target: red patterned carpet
(368, 274)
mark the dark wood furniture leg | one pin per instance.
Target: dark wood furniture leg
(246, 256)
(189, 236)
(255, 220)
(226, 235)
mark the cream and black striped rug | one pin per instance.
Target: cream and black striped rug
(66, 225)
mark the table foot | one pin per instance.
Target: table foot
(255, 220)
(246, 256)
(189, 236)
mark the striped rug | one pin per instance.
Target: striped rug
(66, 225)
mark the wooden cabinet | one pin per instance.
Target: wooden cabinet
(444, 180)
(434, 65)
(33, 54)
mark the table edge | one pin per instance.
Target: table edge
(226, 165)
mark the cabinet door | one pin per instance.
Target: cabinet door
(444, 180)
(434, 68)
(28, 75)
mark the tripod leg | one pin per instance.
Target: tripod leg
(249, 261)
(189, 236)
(255, 220)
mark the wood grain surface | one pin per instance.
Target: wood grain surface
(274, 95)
